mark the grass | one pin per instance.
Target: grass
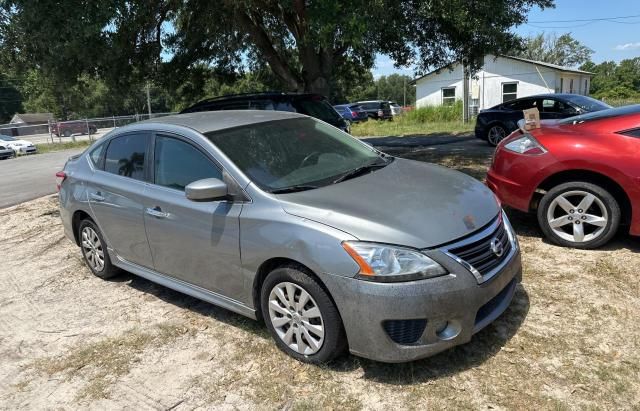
(51, 147)
(109, 358)
(425, 120)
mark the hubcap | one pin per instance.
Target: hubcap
(92, 249)
(577, 216)
(296, 318)
(496, 134)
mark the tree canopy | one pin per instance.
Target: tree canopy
(615, 81)
(563, 50)
(304, 45)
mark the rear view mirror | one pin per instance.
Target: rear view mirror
(207, 189)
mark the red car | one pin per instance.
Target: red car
(68, 128)
(581, 175)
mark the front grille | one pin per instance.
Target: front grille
(405, 331)
(480, 254)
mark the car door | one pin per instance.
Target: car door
(115, 193)
(196, 242)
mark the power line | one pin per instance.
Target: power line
(582, 20)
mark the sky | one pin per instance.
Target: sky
(610, 40)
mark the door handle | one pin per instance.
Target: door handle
(156, 212)
(96, 197)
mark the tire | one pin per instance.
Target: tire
(495, 134)
(333, 342)
(67, 133)
(105, 270)
(570, 223)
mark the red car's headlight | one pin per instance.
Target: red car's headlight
(526, 144)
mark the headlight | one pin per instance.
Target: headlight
(379, 262)
(525, 145)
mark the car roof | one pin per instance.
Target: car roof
(208, 121)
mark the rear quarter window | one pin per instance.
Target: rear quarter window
(96, 156)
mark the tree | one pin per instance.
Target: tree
(306, 42)
(10, 99)
(303, 42)
(613, 81)
(563, 50)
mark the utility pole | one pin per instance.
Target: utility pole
(465, 92)
(404, 92)
(148, 100)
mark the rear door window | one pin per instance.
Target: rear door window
(178, 164)
(126, 156)
(521, 104)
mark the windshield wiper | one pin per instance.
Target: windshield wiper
(293, 189)
(361, 170)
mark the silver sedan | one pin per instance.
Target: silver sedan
(283, 217)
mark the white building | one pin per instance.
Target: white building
(501, 78)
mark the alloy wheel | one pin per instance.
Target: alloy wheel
(92, 249)
(577, 216)
(296, 318)
(496, 135)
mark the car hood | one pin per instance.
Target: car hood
(407, 203)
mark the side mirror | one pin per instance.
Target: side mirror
(207, 189)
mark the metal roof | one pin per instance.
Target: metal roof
(536, 62)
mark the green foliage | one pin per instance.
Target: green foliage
(613, 81)
(10, 99)
(434, 114)
(563, 50)
(96, 58)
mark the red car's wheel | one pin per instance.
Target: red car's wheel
(579, 215)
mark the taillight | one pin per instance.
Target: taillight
(526, 144)
(60, 177)
(354, 114)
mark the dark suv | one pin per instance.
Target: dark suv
(313, 105)
(377, 109)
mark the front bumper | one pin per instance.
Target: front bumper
(27, 150)
(451, 309)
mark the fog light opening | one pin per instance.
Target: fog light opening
(448, 330)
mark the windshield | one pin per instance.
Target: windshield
(6, 138)
(295, 152)
(587, 103)
(602, 114)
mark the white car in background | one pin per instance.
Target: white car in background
(396, 109)
(19, 147)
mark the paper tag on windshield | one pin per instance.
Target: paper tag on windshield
(531, 118)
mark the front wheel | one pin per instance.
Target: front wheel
(301, 317)
(579, 215)
(496, 134)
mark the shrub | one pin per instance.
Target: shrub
(436, 114)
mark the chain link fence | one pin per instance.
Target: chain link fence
(72, 130)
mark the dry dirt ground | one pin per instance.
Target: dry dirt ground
(570, 340)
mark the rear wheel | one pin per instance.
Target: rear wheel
(496, 134)
(94, 250)
(301, 317)
(579, 215)
(67, 133)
